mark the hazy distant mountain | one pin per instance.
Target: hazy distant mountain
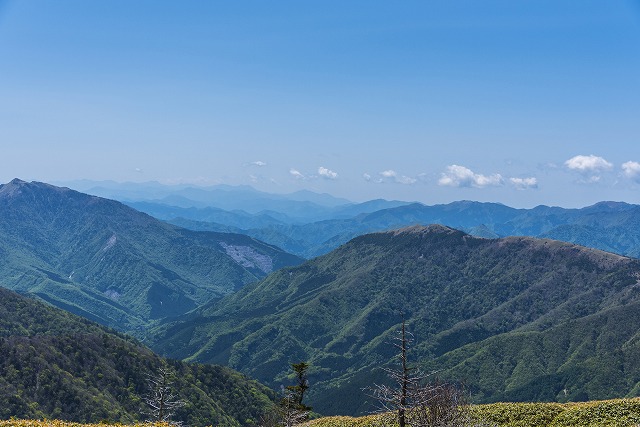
(298, 207)
(235, 219)
(110, 263)
(304, 204)
(515, 318)
(609, 226)
(55, 365)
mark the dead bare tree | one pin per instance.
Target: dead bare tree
(413, 400)
(291, 412)
(397, 398)
(161, 399)
(439, 404)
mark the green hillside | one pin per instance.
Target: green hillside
(58, 366)
(515, 318)
(107, 262)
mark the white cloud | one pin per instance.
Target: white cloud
(460, 176)
(327, 173)
(390, 175)
(588, 164)
(259, 163)
(405, 180)
(590, 167)
(631, 170)
(524, 183)
(297, 174)
(366, 176)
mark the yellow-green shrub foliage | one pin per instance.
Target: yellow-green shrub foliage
(517, 414)
(368, 421)
(55, 423)
(607, 413)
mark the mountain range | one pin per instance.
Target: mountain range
(310, 224)
(610, 226)
(515, 318)
(112, 264)
(299, 207)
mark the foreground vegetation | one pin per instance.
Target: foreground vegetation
(56, 423)
(604, 413)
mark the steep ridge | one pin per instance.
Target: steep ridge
(56, 365)
(460, 295)
(107, 262)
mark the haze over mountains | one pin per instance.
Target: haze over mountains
(110, 263)
(309, 224)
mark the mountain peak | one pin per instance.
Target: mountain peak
(425, 229)
(18, 187)
(12, 188)
(609, 205)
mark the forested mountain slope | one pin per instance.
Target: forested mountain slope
(110, 263)
(56, 365)
(515, 318)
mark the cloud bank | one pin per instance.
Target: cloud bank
(590, 167)
(460, 176)
(327, 173)
(297, 174)
(390, 175)
(589, 163)
(524, 183)
(631, 170)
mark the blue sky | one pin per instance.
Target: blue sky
(518, 102)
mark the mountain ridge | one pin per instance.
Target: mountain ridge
(455, 290)
(100, 258)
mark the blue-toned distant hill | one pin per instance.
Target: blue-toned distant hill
(610, 226)
(299, 206)
(309, 224)
(112, 264)
(516, 318)
(241, 202)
